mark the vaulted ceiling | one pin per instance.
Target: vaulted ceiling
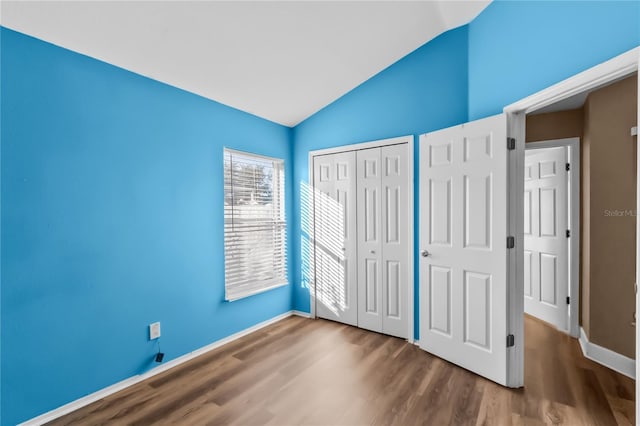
(282, 61)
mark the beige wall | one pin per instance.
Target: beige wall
(609, 115)
(608, 199)
(554, 125)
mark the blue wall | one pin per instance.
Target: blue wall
(111, 186)
(517, 48)
(511, 50)
(112, 218)
(424, 91)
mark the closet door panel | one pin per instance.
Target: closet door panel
(370, 274)
(395, 234)
(335, 230)
(362, 232)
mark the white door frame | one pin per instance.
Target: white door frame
(637, 251)
(573, 225)
(408, 140)
(606, 72)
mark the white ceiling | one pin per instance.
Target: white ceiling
(282, 61)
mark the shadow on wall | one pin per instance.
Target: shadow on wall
(327, 221)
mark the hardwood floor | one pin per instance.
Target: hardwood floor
(316, 372)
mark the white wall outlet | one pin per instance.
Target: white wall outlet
(154, 330)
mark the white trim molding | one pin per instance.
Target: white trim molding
(362, 145)
(110, 390)
(301, 314)
(637, 251)
(605, 73)
(607, 357)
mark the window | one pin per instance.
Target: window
(254, 224)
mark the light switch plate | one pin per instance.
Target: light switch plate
(154, 330)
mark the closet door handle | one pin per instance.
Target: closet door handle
(372, 251)
(425, 253)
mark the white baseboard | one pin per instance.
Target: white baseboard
(109, 390)
(607, 357)
(301, 314)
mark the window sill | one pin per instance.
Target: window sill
(250, 293)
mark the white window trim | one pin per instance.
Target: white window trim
(276, 282)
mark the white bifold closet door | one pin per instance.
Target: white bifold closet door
(336, 243)
(382, 234)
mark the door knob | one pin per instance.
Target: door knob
(425, 253)
(372, 251)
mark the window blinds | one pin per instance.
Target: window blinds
(254, 224)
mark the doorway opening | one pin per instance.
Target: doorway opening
(552, 232)
(611, 161)
(579, 211)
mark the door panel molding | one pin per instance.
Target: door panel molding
(335, 249)
(395, 232)
(368, 189)
(550, 188)
(463, 286)
(406, 215)
(573, 146)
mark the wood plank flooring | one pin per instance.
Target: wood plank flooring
(316, 372)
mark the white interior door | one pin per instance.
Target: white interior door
(395, 240)
(335, 232)
(546, 255)
(369, 184)
(463, 237)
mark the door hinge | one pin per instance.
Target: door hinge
(511, 143)
(511, 242)
(567, 167)
(511, 340)
(568, 300)
(568, 233)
